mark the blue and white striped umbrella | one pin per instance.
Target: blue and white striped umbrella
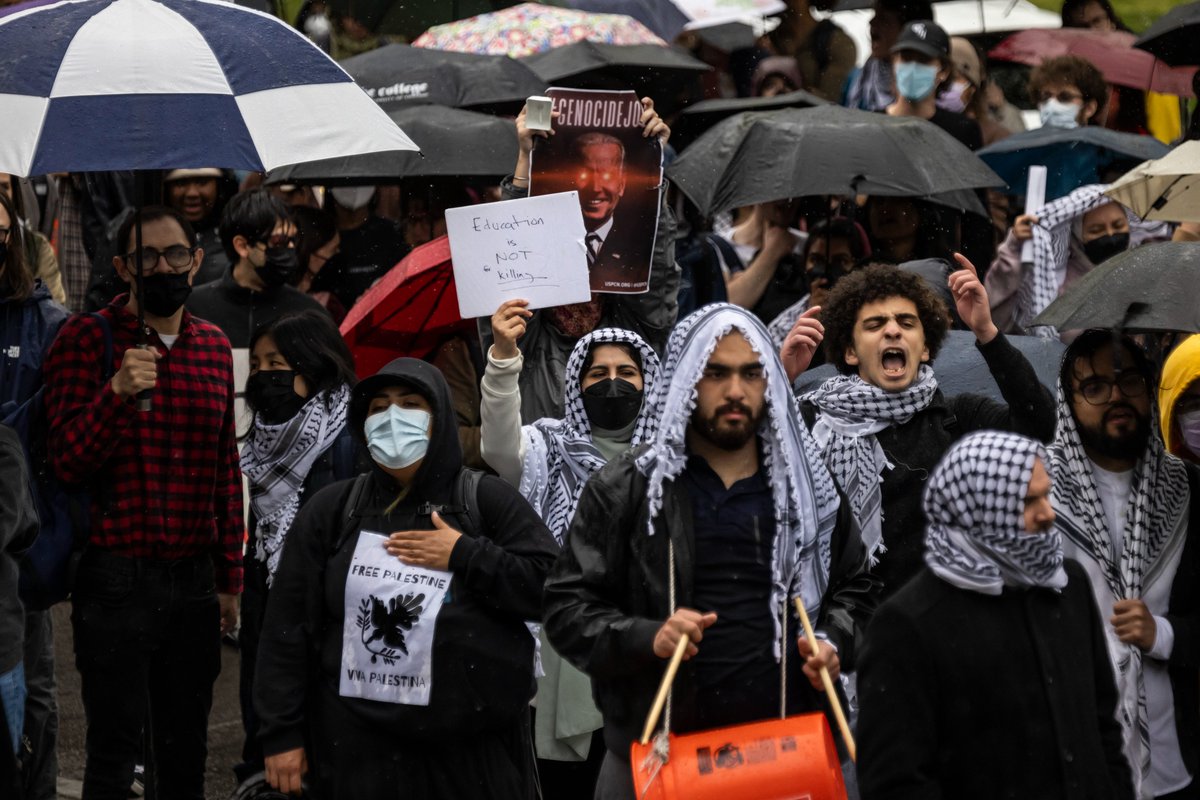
(158, 84)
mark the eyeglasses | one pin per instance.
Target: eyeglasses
(178, 257)
(1098, 391)
(1063, 97)
(278, 240)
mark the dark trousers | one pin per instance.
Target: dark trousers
(41, 708)
(147, 646)
(254, 607)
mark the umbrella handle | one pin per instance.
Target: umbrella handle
(145, 400)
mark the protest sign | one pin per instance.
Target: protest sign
(530, 248)
(598, 150)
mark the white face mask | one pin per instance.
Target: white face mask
(1055, 114)
(1189, 427)
(398, 437)
(353, 197)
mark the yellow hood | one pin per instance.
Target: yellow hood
(1179, 372)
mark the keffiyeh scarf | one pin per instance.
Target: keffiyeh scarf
(850, 412)
(1052, 235)
(781, 326)
(974, 501)
(277, 460)
(805, 499)
(559, 453)
(1156, 517)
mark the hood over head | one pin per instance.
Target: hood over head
(435, 478)
(1181, 370)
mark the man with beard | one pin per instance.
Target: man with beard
(1128, 512)
(708, 532)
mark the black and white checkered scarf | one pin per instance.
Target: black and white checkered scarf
(974, 501)
(1052, 235)
(559, 453)
(1157, 515)
(277, 460)
(850, 412)
(805, 499)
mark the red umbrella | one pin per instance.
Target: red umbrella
(1113, 54)
(409, 312)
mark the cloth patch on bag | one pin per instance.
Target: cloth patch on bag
(391, 616)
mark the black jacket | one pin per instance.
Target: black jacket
(238, 311)
(607, 596)
(967, 695)
(918, 445)
(1183, 612)
(482, 651)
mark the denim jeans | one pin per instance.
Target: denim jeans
(147, 646)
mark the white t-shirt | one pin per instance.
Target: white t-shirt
(169, 339)
(1114, 488)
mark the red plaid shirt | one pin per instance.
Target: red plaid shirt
(165, 484)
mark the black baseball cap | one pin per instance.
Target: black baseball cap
(926, 37)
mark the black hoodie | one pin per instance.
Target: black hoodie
(482, 651)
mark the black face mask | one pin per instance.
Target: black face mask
(612, 403)
(1100, 250)
(280, 267)
(164, 294)
(3, 251)
(272, 395)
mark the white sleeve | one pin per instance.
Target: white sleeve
(500, 441)
(1164, 639)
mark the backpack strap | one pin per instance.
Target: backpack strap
(464, 502)
(357, 496)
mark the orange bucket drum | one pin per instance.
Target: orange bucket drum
(780, 759)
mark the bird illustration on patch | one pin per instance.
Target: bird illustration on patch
(382, 625)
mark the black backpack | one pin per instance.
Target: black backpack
(470, 521)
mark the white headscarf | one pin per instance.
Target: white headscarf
(974, 501)
(806, 502)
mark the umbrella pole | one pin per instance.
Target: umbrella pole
(144, 402)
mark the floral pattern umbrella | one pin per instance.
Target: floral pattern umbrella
(533, 28)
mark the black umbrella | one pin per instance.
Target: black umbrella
(664, 18)
(760, 156)
(960, 368)
(699, 117)
(452, 141)
(1175, 36)
(398, 76)
(1150, 288)
(596, 65)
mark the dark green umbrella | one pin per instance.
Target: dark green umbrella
(1149, 288)
(761, 156)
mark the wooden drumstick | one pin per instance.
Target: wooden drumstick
(663, 688)
(843, 725)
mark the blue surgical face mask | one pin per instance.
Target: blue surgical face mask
(398, 437)
(914, 80)
(1055, 114)
(1189, 426)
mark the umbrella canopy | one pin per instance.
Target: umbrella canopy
(1073, 157)
(1166, 189)
(699, 117)
(409, 312)
(760, 156)
(590, 65)
(156, 84)
(960, 369)
(1112, 52)
(1149, 288)
(533, 28)
(452, 141)
(1173, 36)
(397, 76)
(660, 16)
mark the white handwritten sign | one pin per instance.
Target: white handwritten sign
(530, 248)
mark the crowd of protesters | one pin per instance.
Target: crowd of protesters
(464, 575)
